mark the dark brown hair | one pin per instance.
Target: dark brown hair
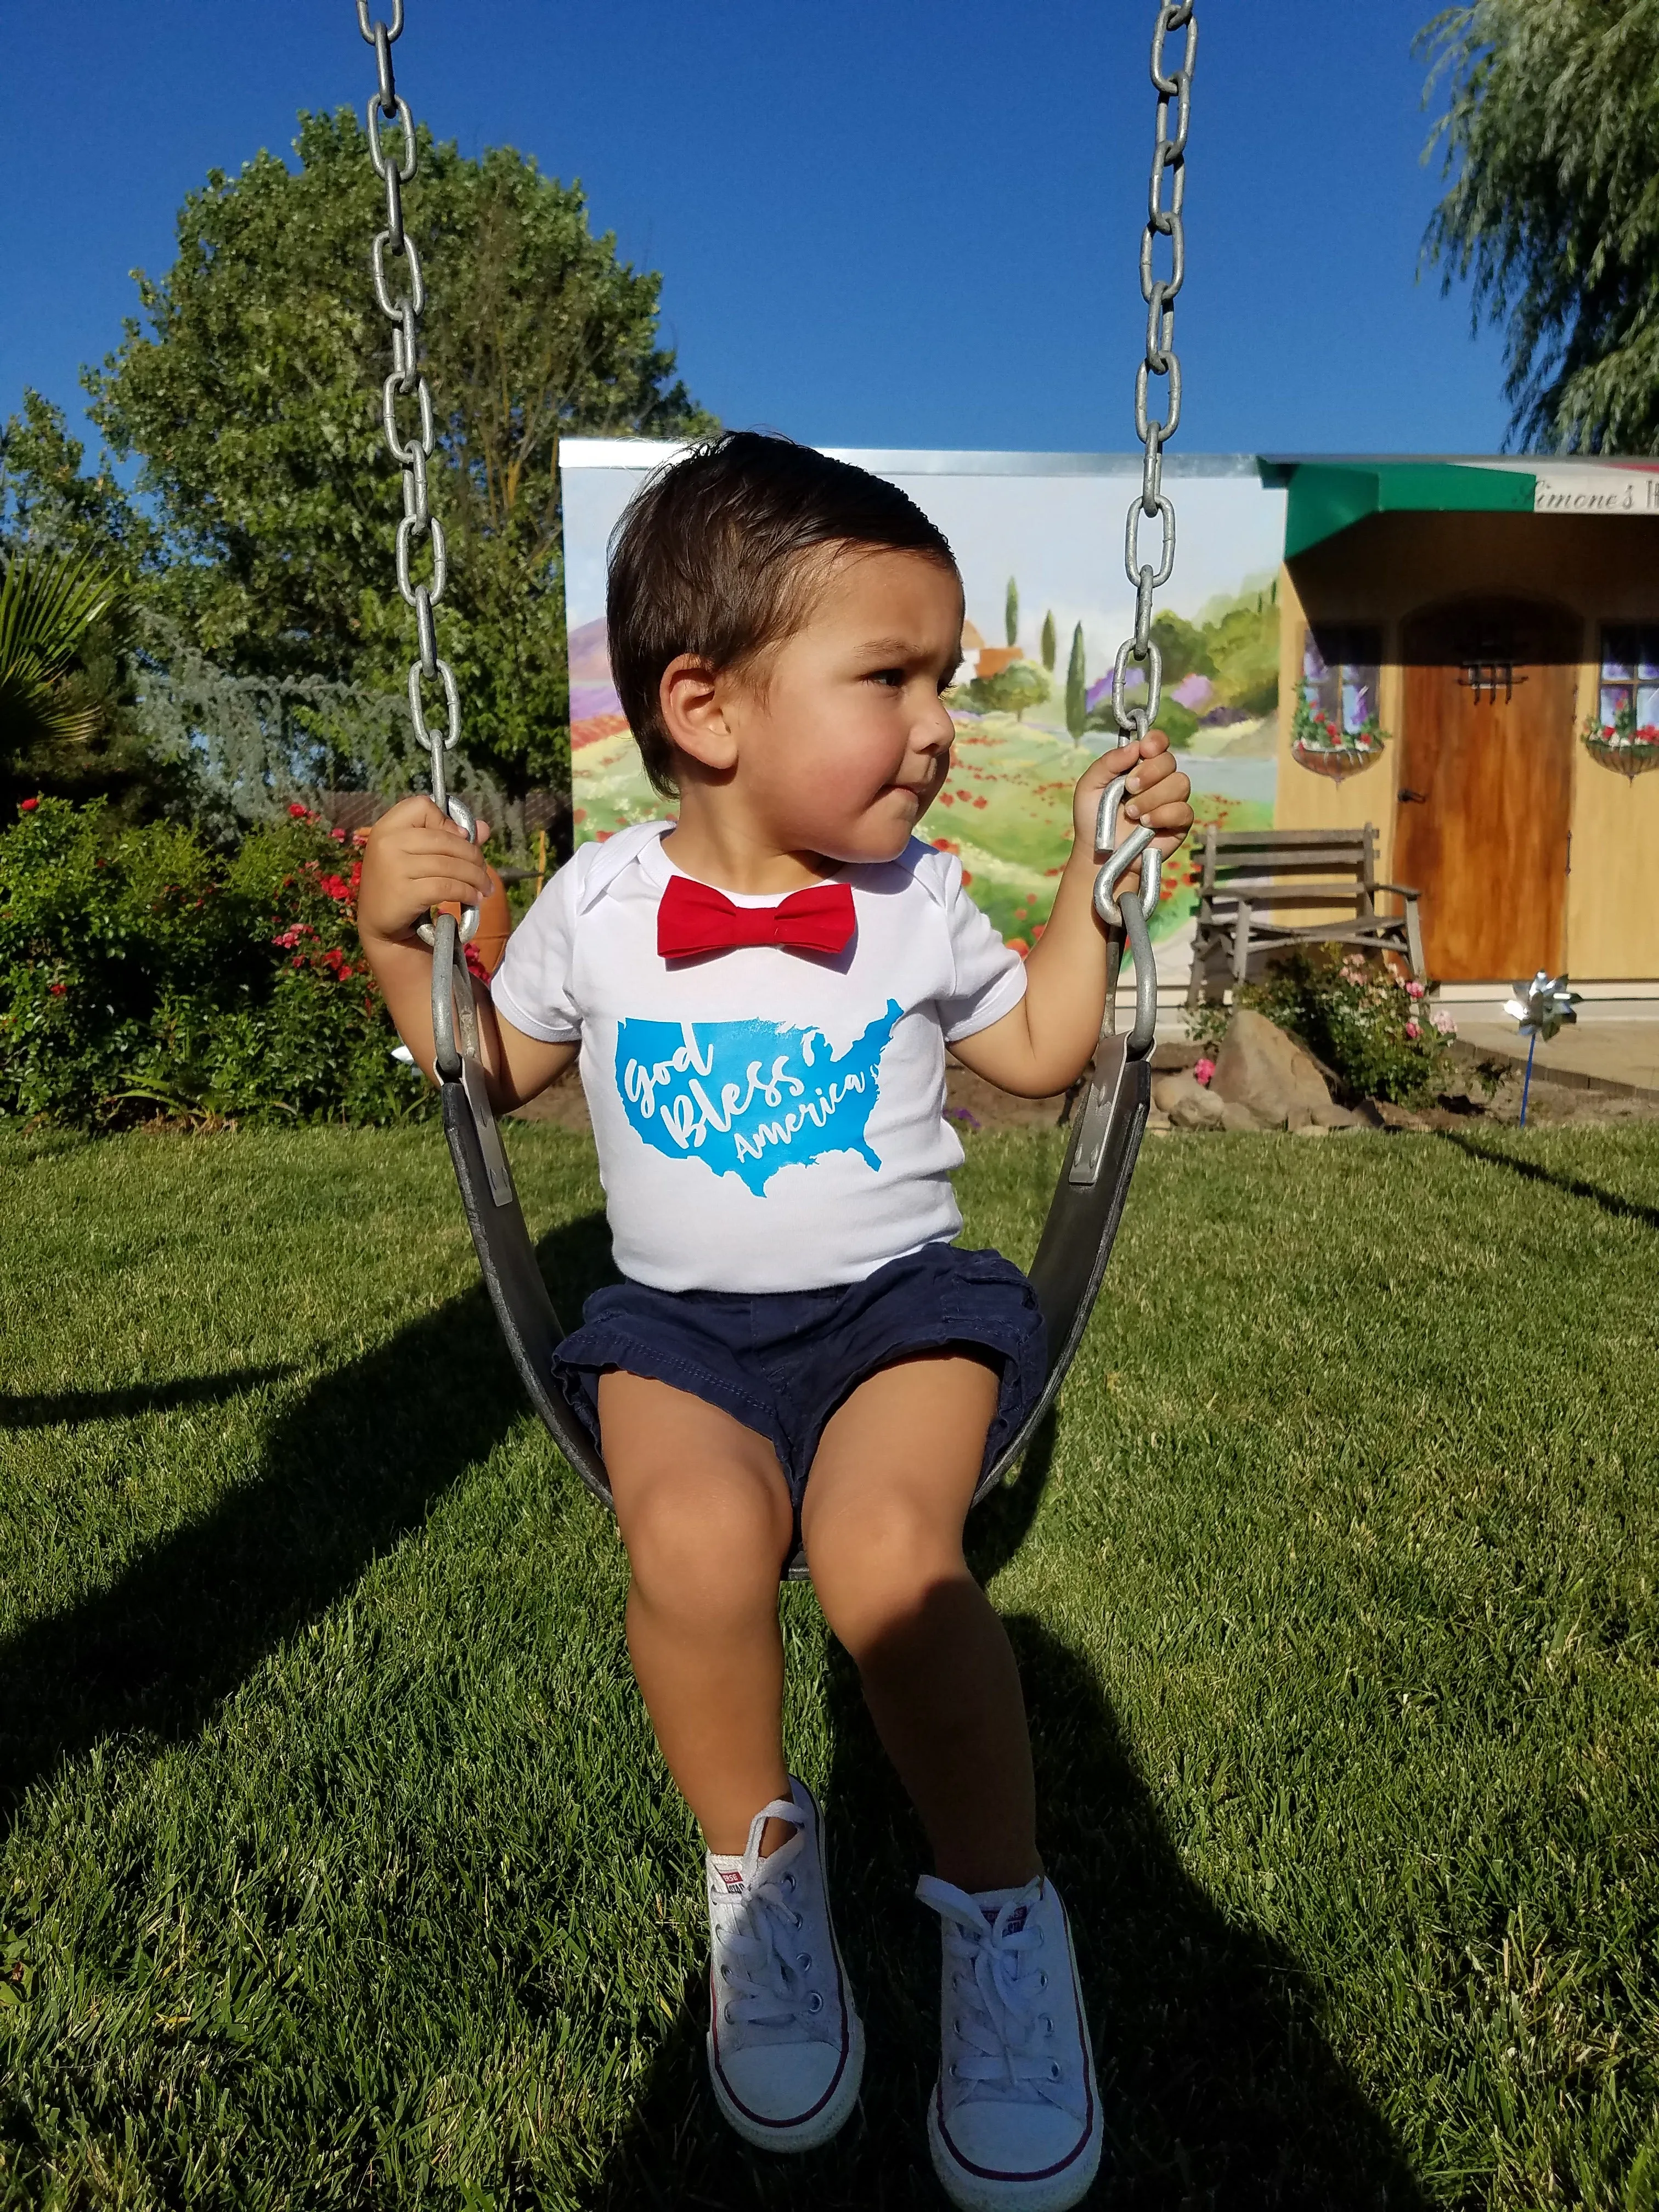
(707, 560)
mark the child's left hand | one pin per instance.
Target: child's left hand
(1159, 793)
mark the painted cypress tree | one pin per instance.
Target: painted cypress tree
(1048, 640)
(1011, 612)
(1077, 688)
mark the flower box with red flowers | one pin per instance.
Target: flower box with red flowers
(1624, 743)
(1319, 742)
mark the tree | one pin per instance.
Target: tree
(1550, 139)
(49, 502)
(1020, 685)
(156, 726)
(1184, 648)
(1048, 642)
(48, 604)
(74, 547)
(254, 404)
(1011, 613)
(1077, 688)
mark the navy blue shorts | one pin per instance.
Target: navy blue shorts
(782, 1362)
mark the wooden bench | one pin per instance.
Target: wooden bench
(1251, 876)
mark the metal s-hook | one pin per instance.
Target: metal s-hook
(1133, 915)
(1123, 857)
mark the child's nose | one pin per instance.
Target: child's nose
(934, 729)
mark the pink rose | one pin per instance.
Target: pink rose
(1203, 1070)
(1413, 990)
(1413, 1031)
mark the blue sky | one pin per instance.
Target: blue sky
(882, 222)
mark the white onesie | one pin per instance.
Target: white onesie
(766, 1119)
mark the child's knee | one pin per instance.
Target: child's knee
(876, 1567)
(706, 1545)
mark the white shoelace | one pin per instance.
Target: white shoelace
(764, 1968)
(1001, 2018)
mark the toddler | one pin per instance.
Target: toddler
(761, 991)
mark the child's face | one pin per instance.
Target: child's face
(844, 745)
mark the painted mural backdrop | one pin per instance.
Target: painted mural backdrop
(1048, 604)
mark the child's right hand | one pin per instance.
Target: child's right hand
(416, 859)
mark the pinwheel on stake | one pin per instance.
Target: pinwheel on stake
(1540, 1007)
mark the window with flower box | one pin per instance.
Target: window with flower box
(1630, 680)
(1339, 671)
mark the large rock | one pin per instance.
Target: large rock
(1262, 1069)
(1186, 1102)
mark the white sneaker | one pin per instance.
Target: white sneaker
(1014, 2120)
(786, 2047)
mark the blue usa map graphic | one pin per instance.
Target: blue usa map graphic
(748, 1099)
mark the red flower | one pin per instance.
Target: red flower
(338, 835)
(58, 990)
(335, 886)
(27, 806)
(335, 961)
(299, 813)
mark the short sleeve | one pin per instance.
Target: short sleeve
(533, 987)
(989, 978)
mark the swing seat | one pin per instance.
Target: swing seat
(1072, 1253)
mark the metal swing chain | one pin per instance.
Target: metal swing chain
(1173, 88)
(403, 310)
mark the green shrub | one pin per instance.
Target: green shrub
(1377, 1035)
(141, 973)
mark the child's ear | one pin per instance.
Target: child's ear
(691, 698)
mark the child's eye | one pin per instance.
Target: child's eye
(894, 679)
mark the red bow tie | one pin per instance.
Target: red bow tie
(695, 917)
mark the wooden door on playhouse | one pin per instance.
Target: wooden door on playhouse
(1486, 784)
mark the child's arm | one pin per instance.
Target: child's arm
(1049, 1038)
(414, 861)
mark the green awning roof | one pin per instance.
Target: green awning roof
(1327, 497)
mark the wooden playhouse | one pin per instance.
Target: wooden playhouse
(1469, 661)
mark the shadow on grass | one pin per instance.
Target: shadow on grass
(74, 1406)
(1218, 2087)
(1497, 1156)
(352, 1467)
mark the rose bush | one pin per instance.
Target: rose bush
(142, 973)
(1374, 1031)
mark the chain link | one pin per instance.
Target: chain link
(1164, 219)
(400, 293)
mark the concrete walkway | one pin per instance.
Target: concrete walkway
(1622, 1049)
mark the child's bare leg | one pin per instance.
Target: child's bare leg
(890, 1492)
(704, 1512)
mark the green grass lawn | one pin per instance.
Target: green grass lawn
(340, 1870)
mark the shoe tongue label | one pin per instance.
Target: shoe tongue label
(1014, 1921)
(732, 1880)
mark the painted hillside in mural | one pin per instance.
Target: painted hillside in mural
(1027, 721)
